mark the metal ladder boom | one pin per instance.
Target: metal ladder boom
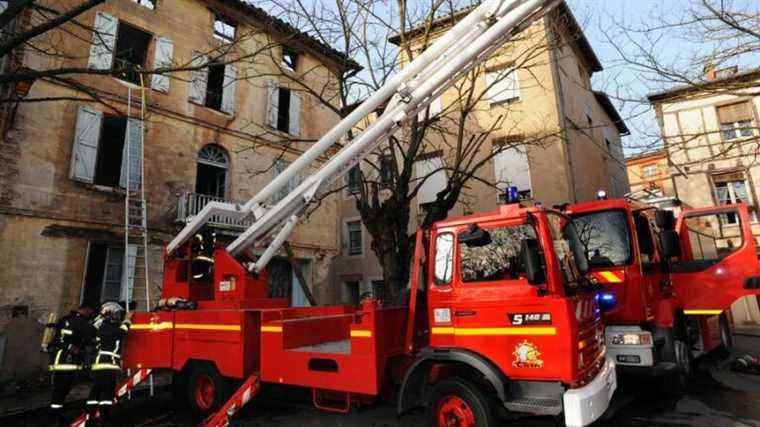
(471, 41)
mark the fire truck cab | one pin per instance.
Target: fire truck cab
(672, 280)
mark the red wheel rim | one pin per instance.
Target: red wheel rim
(205, 392)
(453, 411)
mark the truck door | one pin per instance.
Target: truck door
(718, 262)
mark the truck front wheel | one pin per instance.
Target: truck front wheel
(205, 388)
(455, 402)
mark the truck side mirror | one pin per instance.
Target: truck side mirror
(530, 254)
(665, 220)
(475, 237)
(671, 244)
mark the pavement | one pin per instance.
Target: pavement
(716, 397)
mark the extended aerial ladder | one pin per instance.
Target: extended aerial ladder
(470, 42)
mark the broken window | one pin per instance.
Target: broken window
(150, 4)
(289, 59)
(131, 52)
(215, 86)
(224, 29)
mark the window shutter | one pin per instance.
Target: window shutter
(735, 113)
(103, 41)
(431, 170)
(133, 138)
(129, 274)
(512, 83)
(728, 177)
(85, 149)
(503, 85)
(511, 168)
(198, 79)
(295, 113)
(163, 59)
(228, 92)
(273, 99)
(434, 107)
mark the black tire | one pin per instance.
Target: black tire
(726, 339)
(676, 350)
(458, 399)
(205, 389)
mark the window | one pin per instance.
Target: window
(131, 52)
(99, 149)
(650, 170)
(511, 169)
(708, 238)
(605, 238)
(215, 86)
(289, 59)
(498, 260)
(283, 109)
(569, 250)
(211, 176)
(212, 85)
(432, 176)
(351, 292)
(279, 167)
(732, 188)
(105, 277)
(387, 168)
(444, 258)
(503, 85)
(353, 238)
(224, 29)
(736, 121)
(589, 112)
(644, 238)
(353, 180)
(150, 4)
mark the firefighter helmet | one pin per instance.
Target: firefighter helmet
(112, 310)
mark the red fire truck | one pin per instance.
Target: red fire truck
(504, 318)
(672, 280)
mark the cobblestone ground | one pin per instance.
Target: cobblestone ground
(716, 397)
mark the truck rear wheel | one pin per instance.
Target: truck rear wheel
(726, 339)
(455, 402)
(206, 389)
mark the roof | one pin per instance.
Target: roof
(580, 41)
(288, 30)
(604, 100)
(646, 155)
(687, 89)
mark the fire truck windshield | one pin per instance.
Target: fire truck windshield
(605, 238)
(569, 251)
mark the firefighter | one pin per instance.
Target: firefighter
(73, 333)
(112, 328)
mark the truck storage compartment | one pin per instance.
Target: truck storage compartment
(333, 348)
(150, 342)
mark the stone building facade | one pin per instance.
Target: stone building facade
(710, 137)
(212, 131)
(550, 93)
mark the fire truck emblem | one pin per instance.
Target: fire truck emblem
(527, 356)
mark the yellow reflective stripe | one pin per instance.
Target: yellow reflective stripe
(271, 329)
(610, 277)
(152, 326)
(703, 312)
(64, 367)
(105, 367)
(361, 333)
(549, 330)
(207, 327)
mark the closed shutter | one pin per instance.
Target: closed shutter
(431, 170)
(198, 78)
(163, 59)
(295, 114)
(128, 283)
(273, 100)
(734, 113)
(228, 92)
(728, 177)
(132, 155)
(511, 168)
(503, 85)
(103, 41)
(85, 149)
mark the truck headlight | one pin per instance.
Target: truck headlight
(644, 338)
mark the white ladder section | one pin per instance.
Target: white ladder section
(135, 208)
(470, 42)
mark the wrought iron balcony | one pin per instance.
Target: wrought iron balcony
(192, 203)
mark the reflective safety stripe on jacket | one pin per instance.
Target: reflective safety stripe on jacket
(105, 367)
(58, 366)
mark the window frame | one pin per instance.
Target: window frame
(294, 55)
(229, 22)
(352, 190)
(516, 88)
(459, 258)
(117, 37)
(451, 262)
(732, 198)
(347, 238)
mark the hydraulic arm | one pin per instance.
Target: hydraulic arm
(468, 43)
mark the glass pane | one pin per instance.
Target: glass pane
(740, 192)
(746, 128)
(444, 258)
(727, 131)
(604, 236)
(709, 239)
(498, 260)
(722, 194)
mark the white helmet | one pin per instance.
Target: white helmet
(111, 310)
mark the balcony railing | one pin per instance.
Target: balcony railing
(192, 203)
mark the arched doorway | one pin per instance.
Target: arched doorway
(211, 176)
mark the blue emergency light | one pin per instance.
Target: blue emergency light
(512, 195)
(606, 300)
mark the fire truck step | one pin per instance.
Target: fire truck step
(243, 395)
(536, 406)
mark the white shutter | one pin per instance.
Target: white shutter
(85, 149)
(128, 278)
(228, 91)
(434, 107)
(273, 100)
(503, 85)
(295, 113)
(512, 85)
(133, 138)
(163, 59)
(103, 41)
(431, 170)
(511, 169)
(198, 78)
